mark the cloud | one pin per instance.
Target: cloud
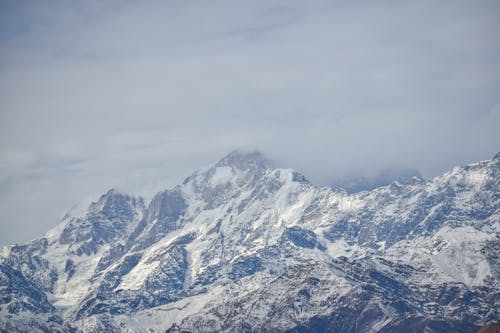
(136, 95)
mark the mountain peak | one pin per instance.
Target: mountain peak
(223, 179)
(111, 198)
(243, 160)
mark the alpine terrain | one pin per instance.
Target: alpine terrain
(243, 247)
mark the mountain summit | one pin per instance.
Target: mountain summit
(244, 247)
(244, 160)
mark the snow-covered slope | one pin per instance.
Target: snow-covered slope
(243, 247)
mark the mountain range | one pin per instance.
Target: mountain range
(241, 246)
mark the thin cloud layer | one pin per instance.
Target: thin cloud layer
(136, 95)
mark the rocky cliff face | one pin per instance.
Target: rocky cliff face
(242, 247)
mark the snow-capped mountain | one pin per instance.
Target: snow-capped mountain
(243, 247)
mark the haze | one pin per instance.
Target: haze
(136, 95)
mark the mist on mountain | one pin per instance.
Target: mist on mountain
(354, 184)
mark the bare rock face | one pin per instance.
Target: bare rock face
(243, 247)
(491, 328)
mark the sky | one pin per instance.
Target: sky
(135, 95)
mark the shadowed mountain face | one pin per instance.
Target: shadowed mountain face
(243, 247)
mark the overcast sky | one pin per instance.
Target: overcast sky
(135, 95)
